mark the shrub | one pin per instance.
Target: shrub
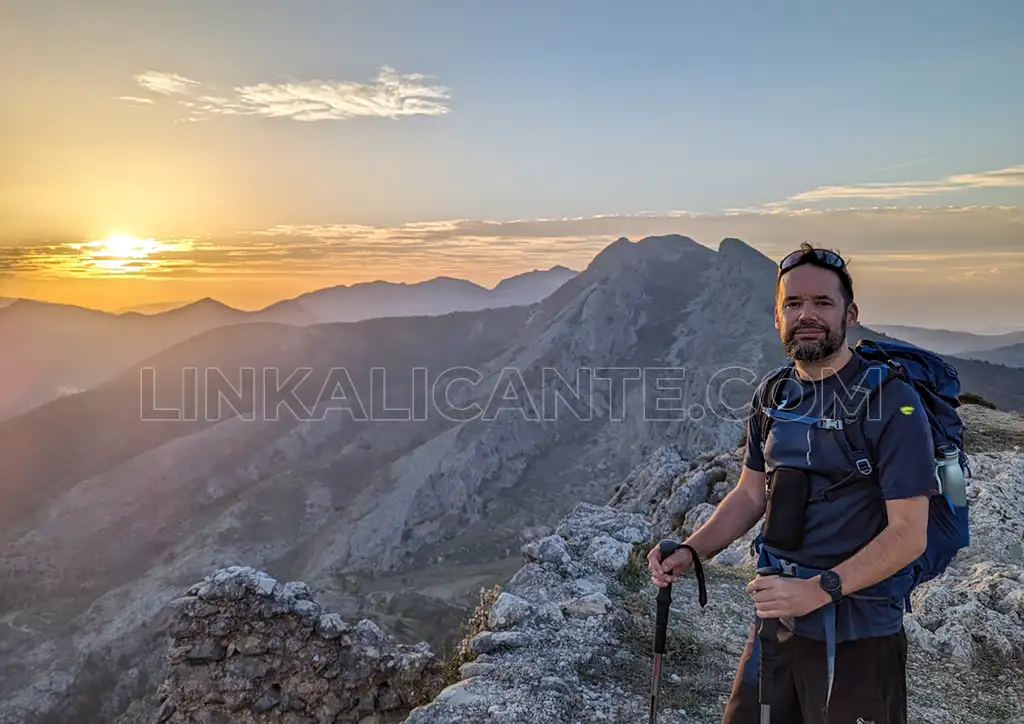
(477, 623)
(971, 398)
(635, 574)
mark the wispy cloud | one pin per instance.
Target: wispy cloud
(1009, 177)
(389, 95)
(166, 83)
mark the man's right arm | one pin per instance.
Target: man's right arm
(745, 503)
(734, 516)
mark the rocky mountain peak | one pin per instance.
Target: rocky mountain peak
(625, 253)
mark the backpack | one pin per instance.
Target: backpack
(937, 384)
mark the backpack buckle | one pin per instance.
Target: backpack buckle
(864, 466)
(830, 424)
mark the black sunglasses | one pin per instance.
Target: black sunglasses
(823, 255)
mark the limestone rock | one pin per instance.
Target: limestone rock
(975, 610)
(549, 549)
(696, 517)
(247, 649)
(507, 611)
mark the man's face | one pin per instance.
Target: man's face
(810, 314)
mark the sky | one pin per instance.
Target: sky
(252, 150)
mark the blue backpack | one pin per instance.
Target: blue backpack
(938, 386)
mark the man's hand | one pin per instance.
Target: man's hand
(786, 596)
(664, 572)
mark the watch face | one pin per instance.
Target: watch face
(830, 581)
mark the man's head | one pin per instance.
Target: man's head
(813, 303)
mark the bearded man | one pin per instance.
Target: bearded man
(853, 543)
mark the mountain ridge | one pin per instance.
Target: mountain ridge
(64, 349)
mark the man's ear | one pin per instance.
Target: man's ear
(852, 314)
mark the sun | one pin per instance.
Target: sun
(119, 254)
(123, 246)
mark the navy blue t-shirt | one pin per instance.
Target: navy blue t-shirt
(899, 443)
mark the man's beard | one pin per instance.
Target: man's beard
(814, 350)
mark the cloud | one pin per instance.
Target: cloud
(165, 83)
(389, 95)
(1010, 177)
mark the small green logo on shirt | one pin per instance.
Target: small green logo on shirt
(906, 409)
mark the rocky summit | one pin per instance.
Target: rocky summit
(569, 638)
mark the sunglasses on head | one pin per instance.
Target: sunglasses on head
(800, 256)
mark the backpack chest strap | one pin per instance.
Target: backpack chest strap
(826, 423)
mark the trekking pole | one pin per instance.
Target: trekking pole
(667, 548)
(767, 634)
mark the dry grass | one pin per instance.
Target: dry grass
(461, 653)
(697, 671)
(634, 575)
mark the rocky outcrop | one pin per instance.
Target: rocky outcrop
(679, 495)
(974, 612)
(248, 649)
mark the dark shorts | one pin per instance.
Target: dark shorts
(869, 687)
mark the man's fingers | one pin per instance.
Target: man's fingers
(654, 560)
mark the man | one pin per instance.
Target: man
(861, 542)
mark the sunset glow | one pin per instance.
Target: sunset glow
(375, 151)
(118, 254)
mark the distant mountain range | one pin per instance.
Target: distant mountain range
(55, 349)
(1006, 349)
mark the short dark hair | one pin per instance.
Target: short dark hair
(809, 255)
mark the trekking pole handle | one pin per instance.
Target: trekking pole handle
(767, 632)
(668, 547)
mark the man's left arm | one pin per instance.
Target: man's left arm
(905, 461)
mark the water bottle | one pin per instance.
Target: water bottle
(952, 482)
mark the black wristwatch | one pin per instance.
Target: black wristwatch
(832, 584)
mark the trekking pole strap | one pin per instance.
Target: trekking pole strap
(698, 571)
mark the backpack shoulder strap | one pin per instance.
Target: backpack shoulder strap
(875, 377)
(850, 421)
(767, 396)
